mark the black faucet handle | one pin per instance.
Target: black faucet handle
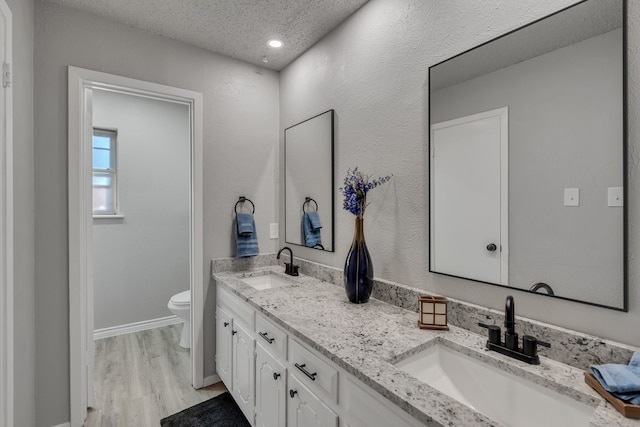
(494, 332)
(530, 345)
(294, 269)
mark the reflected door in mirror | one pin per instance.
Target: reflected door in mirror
(469, 182)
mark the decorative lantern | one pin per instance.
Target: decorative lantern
(433, 312)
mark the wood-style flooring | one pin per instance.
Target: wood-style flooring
(143, 377)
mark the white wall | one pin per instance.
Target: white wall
(240, 145)
(23, 217)
(141, 260)
(578, 251)
(373, 71)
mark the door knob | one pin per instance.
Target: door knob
(275, 376)
(491, 247)
(293, 393)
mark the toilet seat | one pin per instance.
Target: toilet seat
(182, 298)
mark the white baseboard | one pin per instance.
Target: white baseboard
(63, 425)
(135, 327)
(210, 380)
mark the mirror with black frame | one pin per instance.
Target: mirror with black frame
(527, 158)
(308, 158)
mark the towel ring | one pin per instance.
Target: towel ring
(318, 246)
(309, 200)
(243, 199)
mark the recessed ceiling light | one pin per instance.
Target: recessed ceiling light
(274, 43)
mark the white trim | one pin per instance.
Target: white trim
(81, 84)
(129, 328)
(503, 114)
(115, 216)
(211, 380)
(63, 425)
(6, 238)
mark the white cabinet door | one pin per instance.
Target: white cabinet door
(243, 369)
(305, 409)
(224, 324)
(271, 390)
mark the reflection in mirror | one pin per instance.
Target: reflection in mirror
(528, 158)
(308, 157)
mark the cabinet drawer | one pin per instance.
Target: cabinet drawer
(272, 337)
(239, 310)
(366, 408)
(313, 371)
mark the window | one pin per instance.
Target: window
(104, 172)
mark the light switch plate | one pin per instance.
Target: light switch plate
(273, 230)
(572, 197)
(615, 196)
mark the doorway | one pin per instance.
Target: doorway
(469, 192)
(84, 85)
(6, 219)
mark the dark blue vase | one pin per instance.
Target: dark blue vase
(358, 269)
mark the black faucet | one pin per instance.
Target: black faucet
(289, 267)
(529, 351)
(510, 336)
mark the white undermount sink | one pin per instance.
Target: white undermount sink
(499, 395)
(266, 281)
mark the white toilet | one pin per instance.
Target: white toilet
(180, 305)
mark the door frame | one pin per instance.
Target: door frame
(6, 232)
(81, 84)
(503, 115)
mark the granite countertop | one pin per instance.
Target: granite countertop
(366, 340)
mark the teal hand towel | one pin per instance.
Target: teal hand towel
(312, 235)
(244, 222)
(623, 381)
(246, 237)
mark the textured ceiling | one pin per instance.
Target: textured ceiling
(236, 28)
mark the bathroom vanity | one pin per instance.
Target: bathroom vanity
(293, 351)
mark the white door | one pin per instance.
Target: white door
(243, 368)
(305, 409)
(6, 221)
(469, 204)
(223, 346)
(271, 390)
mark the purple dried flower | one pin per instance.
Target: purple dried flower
(355, 189)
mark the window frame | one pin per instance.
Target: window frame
(112, 134)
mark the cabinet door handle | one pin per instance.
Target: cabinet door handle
(292, 393)
(266, 338)
(233, 332)
(304, 371)
(275, 376)
(226, 324)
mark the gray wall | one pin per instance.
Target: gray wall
(141, 260)
(240, 158)
(373, 71)
(23, 180)
(576, 250)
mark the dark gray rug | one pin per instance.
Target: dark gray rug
(220, 411)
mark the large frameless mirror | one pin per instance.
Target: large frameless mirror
(309, 210)
(528, 158)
